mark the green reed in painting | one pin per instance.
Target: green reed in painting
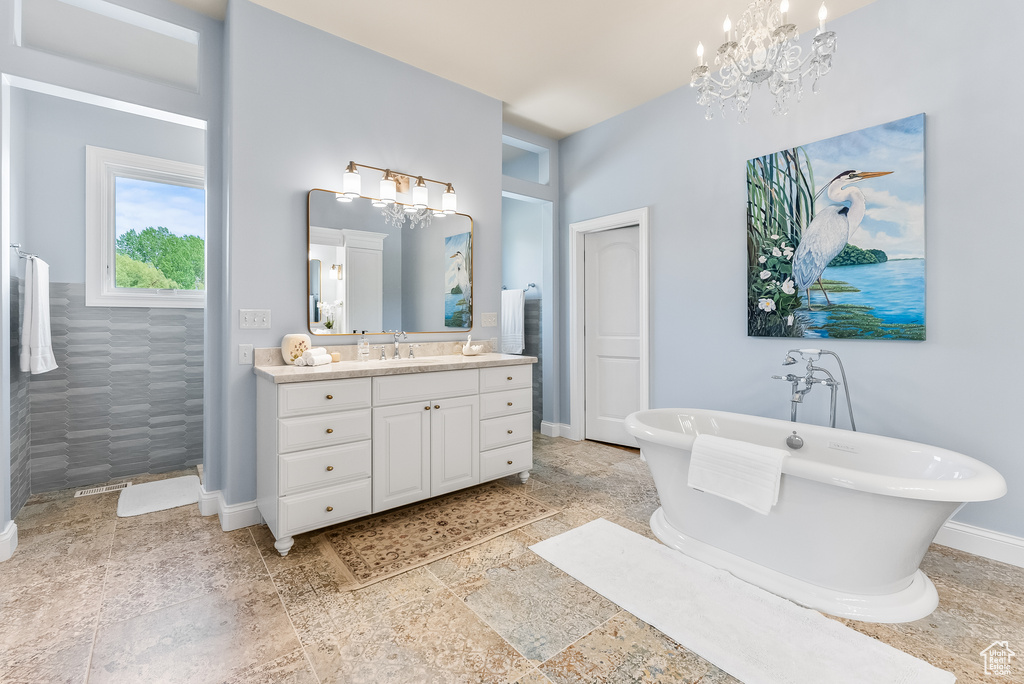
(780, 202)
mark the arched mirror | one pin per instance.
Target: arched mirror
(377, 273)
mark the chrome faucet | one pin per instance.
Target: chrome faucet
(404, 336)
(810, 379)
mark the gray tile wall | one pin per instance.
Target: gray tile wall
(531, 331)
(126, 398)
(20, 489)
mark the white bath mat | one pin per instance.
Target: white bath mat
(158, 496)
(755, 636)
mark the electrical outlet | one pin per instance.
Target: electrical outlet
(252, 319)
(494, 344)
(245, 354)
(489, 320)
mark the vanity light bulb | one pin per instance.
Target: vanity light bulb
(420, 194)
(388, 188)
(449, 202)
(351, 183)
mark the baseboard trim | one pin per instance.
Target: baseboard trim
(8, 541)
(232, 516)
(998, 546)
(555, 429)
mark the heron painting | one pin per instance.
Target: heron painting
(835, 236)
(457, 281)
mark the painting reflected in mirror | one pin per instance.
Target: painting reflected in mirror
(373, 276)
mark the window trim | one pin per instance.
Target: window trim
(102, 166)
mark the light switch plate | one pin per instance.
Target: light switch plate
(489, 320)
(252, 319)
(245, 354)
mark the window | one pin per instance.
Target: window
(145, 231)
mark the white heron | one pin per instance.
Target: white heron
(826, 235)
(461, 274)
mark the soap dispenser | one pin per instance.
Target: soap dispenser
(364, 348)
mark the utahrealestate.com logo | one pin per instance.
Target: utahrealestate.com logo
(997, 658)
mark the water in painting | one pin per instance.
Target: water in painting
(835, 236)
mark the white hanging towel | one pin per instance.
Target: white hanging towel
(36, 350)
(746, 473)
(513, 305)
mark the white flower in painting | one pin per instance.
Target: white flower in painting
(776, 237)
(788, 252)
(762, 259)
(789, 319)
(766, 305)
(787, 286)
(776, 252)
(765, 275)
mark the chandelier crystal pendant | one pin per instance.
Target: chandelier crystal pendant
(762, 50)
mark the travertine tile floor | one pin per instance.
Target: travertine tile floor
(169, 597)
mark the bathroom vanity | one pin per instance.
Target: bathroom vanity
(348, 439)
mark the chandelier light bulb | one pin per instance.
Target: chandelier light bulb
(351, 183)
(449, 202)
(420, 195)
(388, 188)
(822, 16)
(727, 27)
(700, 54)
(784, 6)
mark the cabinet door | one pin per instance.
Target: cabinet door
(454, 444)
(401, 455)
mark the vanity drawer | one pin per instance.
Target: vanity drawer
(324, 396)
(505, 461)
(322, 507)
(506, 403)
(506, 377)
(499, 432)
(402, 389)
(310, 432)
(325, 467)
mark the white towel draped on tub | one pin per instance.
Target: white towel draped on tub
(513, 306)
(746, 473)
(36, 351)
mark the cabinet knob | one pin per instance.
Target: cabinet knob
(330, 396)
(426, 408)
(437, 406)
(509, 377)
(510, 462)
(330, 508)
(330, 431)
(510, 403)
(510, 432)
(330, 468)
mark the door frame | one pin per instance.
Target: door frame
(577, 363)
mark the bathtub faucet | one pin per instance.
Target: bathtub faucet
(814, 377)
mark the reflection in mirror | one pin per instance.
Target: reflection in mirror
(377, 277)
(314, 290)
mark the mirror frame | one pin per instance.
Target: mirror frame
(309, 235)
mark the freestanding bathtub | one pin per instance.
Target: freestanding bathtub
(856, 512)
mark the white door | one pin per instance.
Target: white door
(612, 335)
(401, 454)
(454, 444)
(364, 280)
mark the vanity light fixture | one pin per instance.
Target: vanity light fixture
(762, 49)
(418, 212)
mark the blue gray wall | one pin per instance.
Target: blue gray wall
(300, 104)
(960, 389)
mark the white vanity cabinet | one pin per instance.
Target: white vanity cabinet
(329, 450)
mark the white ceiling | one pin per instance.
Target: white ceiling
(557, 65)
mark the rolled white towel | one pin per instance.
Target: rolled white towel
(314, 354)
(299, 361)
(317, 350)
(319, 360)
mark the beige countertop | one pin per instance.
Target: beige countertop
(363, 369)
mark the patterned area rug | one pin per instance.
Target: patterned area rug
(372, 549)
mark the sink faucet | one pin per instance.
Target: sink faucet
(810, 379)
(404, 336)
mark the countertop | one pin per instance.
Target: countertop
(363, 369)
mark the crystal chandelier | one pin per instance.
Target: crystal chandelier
(763, 49)
(396, 213)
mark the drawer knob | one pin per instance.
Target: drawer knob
(330, 508)
(509, 377)
(510, 462)
(510, 403)
(330, 431)
(437, 406)
(426, 408)
(330, 396)
(510, 432)
(330, 468)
